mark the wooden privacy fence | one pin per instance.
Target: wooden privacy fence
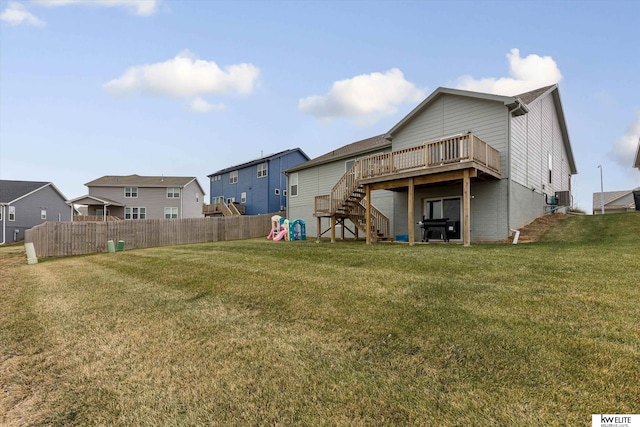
(56, 239)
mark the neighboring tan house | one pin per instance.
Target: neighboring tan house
(615, 201)
(255, 187)
(142, 197)
(474, 164)
(25, 204)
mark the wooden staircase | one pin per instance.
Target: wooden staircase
(347, 198)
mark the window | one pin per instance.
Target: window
(231, 200)
(284, 192)
(43, 214)
(550, 167)
(173, 192)
(243, 197)
(1, 210)
(12, 213)
(216, 178)
(263, 169)
(445, 208)
(293, 184)
(217, 199)
(197, 197)
(277, 191)
(170, 213)
(130, 192)
(233, 177)
(135, 213)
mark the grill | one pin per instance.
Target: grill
(440, 226)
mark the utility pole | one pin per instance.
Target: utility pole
(601, 190)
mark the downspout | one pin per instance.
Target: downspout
(519, 106)
(182, 192)
(4, 225)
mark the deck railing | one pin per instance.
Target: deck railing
(432, 154)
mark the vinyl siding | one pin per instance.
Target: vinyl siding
(535, 135)
(449, 115)
(453, 114)
(154, 199)
(28, 212)
(318, 181)
(261, 197)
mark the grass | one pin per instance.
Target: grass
(273, 333)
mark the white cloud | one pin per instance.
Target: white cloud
(200, 105)
(624, 148)
(526, 74)
(139, 7)
(185, 76)
(364, 98)
(16, 14)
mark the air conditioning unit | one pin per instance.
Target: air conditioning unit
(563, 198)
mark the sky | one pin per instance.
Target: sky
(188, 87)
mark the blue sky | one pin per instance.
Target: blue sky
(185, 88)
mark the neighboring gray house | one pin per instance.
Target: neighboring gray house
(614, 201)
(475, 164)
(25, 204)
(142, 197)
(636, 163)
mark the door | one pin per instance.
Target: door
(450, 208)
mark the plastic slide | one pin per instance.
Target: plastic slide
(281, 234)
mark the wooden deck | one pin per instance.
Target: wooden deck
(456, 158)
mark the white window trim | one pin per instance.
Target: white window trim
(43, 214)
(291, 192)
(276, 191)
(131, 212)
(171, 212)
(243, 197)
(12, 213)
(233, 177)
(171, 192)
(263, 170)
(131, 192)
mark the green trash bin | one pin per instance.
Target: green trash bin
(120, 245)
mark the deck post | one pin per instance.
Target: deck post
(466, 207)
(333, 229)
(319, 232)
(410, 208)
(342, 229)
(367, 194)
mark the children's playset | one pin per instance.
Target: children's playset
(283, 229)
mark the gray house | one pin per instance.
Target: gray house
(614, 201)
(142, 197)
(636, 163)
(25, 204)
(470, 166)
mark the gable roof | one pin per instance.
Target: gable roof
(258, 161)
(93, 200)
(518, 105)
(12, 191)
(346, 152)
(143, 181)
(610, 197)
(511, 102)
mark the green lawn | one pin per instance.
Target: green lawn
(276, 333)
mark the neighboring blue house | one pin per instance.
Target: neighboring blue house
(25, 204)
(255, 187)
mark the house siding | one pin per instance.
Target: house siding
(318, 181)
(154, 199)
(261, 197)
(449, 115)
(535, 135)
(28, 212)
